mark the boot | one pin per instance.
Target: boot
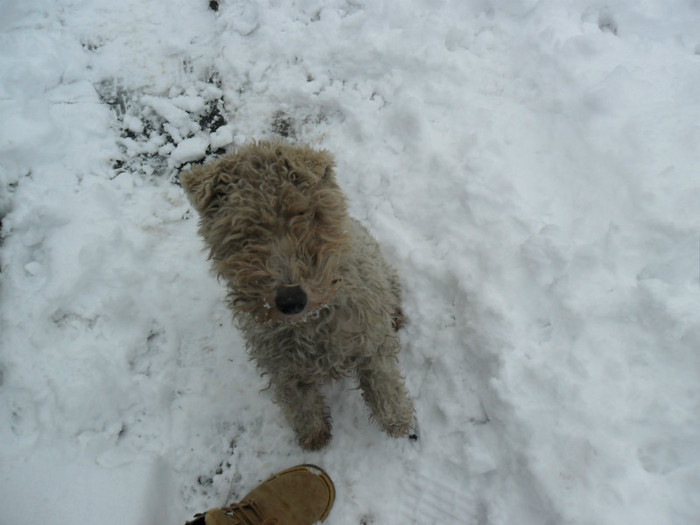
(301, 495)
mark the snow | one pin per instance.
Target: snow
(530, 168)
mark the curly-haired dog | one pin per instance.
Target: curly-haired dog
(307, 284)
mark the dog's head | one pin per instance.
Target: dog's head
(275, 222)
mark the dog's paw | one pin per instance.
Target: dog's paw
(315, 433)
(402, 420)
(315, 441)
(397, 430)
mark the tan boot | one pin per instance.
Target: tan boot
(301, 495)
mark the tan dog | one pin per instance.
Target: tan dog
(307, 284)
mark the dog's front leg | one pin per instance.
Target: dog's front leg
(385, 394)
(305, 410)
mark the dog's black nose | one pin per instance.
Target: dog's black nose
(290, 300)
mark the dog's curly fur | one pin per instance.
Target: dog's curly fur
(307, 284)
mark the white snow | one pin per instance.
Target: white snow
(222, 137)
(530, 168)
(194, 148)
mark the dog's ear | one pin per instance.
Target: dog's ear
(202, 186)
(319, 163)
(328, 167)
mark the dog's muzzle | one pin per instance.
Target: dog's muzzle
(290, 300)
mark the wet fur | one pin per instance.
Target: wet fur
(273, 215)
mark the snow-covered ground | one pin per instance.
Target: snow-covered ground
(532, 169)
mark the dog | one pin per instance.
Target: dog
(307, 284)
